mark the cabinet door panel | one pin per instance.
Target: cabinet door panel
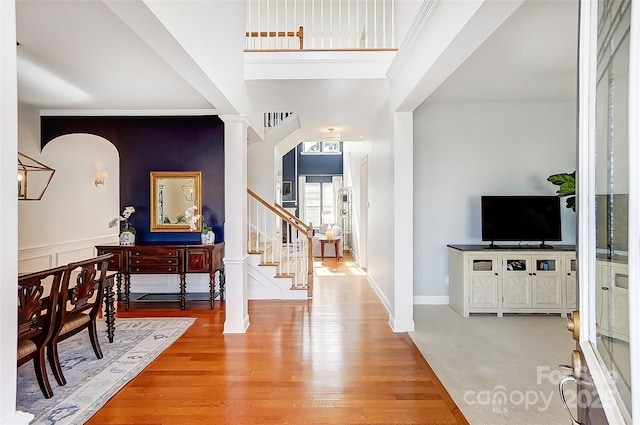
(197, 260)
(547, 291)
(516, 290)
(484, 291)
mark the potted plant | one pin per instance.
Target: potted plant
(567, 183)
(127, 231)
(207, 237)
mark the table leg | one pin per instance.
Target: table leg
(212, 283)
(119, 287)
(127, 290)
(322, 243)
(183, 292)
(109, 308)
(222, 280)
(335, 245)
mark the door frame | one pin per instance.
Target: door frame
(363, 222)
(586, 227)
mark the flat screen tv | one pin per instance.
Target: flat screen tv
(521, 218)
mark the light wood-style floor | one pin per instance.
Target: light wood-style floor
(330, 360)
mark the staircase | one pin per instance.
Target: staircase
(280, 256)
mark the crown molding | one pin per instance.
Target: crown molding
(125, 112)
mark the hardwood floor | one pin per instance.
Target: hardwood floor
(332, 360)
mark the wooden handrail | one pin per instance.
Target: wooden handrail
(297, 224)
(284, 215)
(292, 217)
(299, 34)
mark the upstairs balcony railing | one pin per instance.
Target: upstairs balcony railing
(320, 24)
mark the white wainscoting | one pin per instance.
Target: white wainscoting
(46, 256)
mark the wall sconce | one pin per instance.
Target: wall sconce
(187, 190)
(101, 176)
(33, 178)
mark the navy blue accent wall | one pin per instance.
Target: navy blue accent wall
(319, 163)
(157, 144)
(319, 179)
(309, 164)
(289, 174)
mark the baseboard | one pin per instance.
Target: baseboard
(18, 418)
(431, 300)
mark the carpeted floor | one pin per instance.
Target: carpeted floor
(498, 370)
(91, 381)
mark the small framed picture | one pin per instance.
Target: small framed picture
(287, 195)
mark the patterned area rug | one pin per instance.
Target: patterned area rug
(91, 382)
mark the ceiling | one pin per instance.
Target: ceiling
(78, 55)
(531, 57)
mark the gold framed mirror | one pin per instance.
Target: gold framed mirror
(171, 194)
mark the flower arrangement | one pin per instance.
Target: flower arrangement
(191, 218)
(124, 218)
(207, 236)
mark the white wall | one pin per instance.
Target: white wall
(465, 150)
(8, 215)
(261, 170)
(73, 215)
(380, 253)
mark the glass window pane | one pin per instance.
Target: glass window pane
(612, 195)
(312, 203)
(311, 147)
(328, 204)
(331, 147)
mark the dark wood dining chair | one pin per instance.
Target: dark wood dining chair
(79, 305)
(37, 303)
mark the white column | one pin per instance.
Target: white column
(235, 227)
(402, 310)
(9, 217)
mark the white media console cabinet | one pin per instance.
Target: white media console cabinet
(512, 279)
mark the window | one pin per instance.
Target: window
(319, 205)
(331, 147)
(321, 147)
(311, 147)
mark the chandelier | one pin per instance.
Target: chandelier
(331, 136)
(33, 178)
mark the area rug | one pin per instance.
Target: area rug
(91, 382)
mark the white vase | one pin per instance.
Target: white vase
(208, 238)
(127, 238)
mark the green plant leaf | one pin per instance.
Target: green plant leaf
(567, 189)
(563, 178)
(567, 183)
(571, 202)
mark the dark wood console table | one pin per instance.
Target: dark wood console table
(177, 259)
